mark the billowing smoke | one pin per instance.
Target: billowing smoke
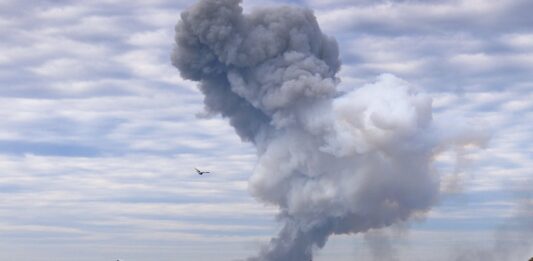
(334, 164)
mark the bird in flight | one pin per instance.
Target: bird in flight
(201, 172)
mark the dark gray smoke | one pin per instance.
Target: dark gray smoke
(333, 165)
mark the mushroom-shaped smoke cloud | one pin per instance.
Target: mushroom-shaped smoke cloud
(333, 165)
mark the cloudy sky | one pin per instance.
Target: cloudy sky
(99, 134)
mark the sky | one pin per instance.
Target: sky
(100, 134)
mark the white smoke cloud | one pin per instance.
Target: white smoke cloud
(333, 165)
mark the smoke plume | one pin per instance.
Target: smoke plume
(334, 164)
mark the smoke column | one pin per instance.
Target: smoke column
(333, 164)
